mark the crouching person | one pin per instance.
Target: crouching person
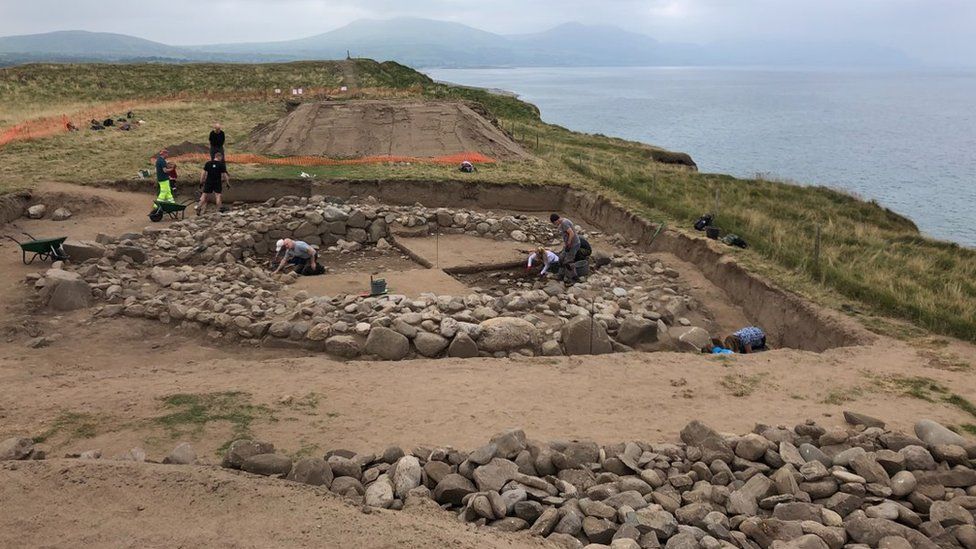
(301, 255)
(546, 260)
(747, 340)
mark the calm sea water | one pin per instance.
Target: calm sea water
(905, 139)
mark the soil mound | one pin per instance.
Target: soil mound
(188, 147)
(356, 129)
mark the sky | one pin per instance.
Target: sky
(936, 32)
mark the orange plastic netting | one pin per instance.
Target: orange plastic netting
(53, 125)
(244, 158)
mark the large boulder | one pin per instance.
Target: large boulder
(313, 471)
(345, 346)
(462, 347)
(36, 211)
(711, 444)
(15, 448)
(267, 465)
(430, 345)
(507, 334)
(65, 290)
(635, 330)
(240, 450)
(935, 434)
(83, 250)
(452, 489)
(691, 338)
(183, 454)
(387, 344)
(583, 336)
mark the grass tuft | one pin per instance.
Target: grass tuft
(190, 413)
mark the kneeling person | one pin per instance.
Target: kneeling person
(213, 178)
(747, 340)
(298, 253)
(545, 258)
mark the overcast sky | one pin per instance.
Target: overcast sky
(934, 31)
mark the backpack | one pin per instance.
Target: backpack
(734, 240)
(704, 221)
(585, 250)
(307, 270)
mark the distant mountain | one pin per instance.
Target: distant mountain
(431, 43)
(77, 43)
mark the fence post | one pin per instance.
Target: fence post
(816, 252)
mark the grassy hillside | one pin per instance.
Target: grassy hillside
(871, 259)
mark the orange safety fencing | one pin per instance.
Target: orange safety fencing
(245, 158)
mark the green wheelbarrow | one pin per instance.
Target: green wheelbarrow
(175, 210)
(44, 248)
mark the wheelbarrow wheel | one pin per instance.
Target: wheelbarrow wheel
(156, 215)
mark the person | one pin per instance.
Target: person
(213, 178)
(467, 166)
(162, 177)
(545, 257)
(571, 245)
(216, 141)
(747, 340)
(298, 253)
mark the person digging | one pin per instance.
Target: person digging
(571, 246)
(546, 260)
(298, 253)
(213, 178)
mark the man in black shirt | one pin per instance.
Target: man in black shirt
(216, 141)
(213, 177)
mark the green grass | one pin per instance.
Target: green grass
(72, 425)
(840, 396)
(873, 261)
(927, 389)
(742, 385)
(188, 414)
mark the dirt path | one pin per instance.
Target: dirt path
(170, 506)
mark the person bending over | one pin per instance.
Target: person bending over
(747, 340)
(297, 253)
(212, 179)
(571, 246)
(545, 258)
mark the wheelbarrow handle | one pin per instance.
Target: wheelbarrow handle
(28, 235)
(12, 238)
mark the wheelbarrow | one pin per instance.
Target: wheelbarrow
(44, 248)
(175, 210)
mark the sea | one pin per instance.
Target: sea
(904, 138)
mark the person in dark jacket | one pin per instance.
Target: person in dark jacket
(216, 140)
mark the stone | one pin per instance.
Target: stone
(313, 471)
(387, 344)
(66, 291)
(855, 418)
(16, 448)
(452, 489)
(430, 345)
(872, 471)
(507, 334)
(319, 332)
(809, 453)
(751, 447)
(345, 467)
(711, 444)
(546, 522)
(240, 450)
(345, 346)
(583, 336)
(407, 476)
(744, 501)
(510, 524)
(917, 458)
(599, 530)
(135, 253)
(380, 493)
(894, 542)
(36, 211)
(870, 531)
(934, 433)
(267, 464)
(508, 444)
(692, 339)
(636, 331)
(565, 541)
(83, 250)
(949, 514)
(806, 541)
(903, 483)
(462, 346)
(495, 474)
(570, 523)
(183, 454)
(347, 487)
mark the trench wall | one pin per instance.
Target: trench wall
(789, 320)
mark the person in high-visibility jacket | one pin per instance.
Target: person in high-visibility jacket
(162, 177)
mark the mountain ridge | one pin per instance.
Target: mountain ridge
(433, 43)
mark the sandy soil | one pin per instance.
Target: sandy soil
(451, 251)
(356, 129)
(102, 384)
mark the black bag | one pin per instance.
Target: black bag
(585, 250)
(108, 122)
(704, 221)
(307, 270)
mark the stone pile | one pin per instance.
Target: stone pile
(806, 487)
(208, 271)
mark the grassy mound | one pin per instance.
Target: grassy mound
(870, 258)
